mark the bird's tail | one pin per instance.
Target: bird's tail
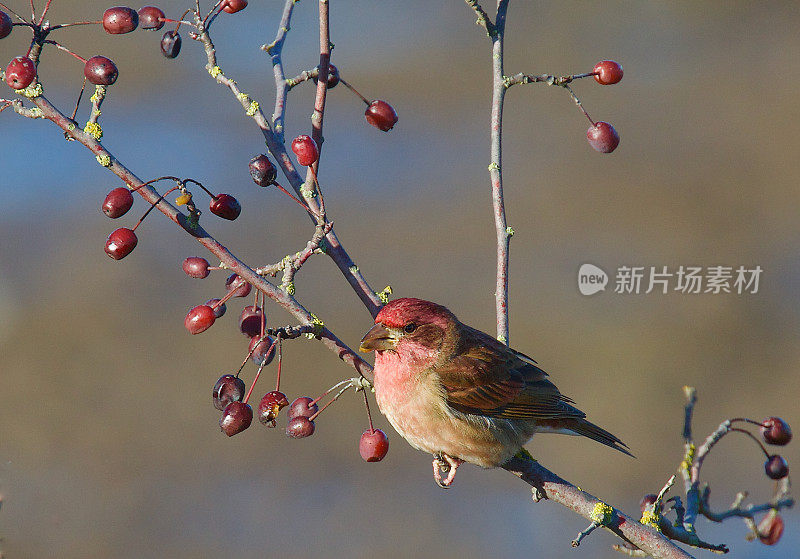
(588, 429)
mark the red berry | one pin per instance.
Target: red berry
(374, 445)
(219, 310)
(120, 243)
(770, 529)
(776, 467)
(225, 206)
(262, 346)
(305, 148)
(228, 389)
(272, 403)
(608, 72)
(233, 6)
(602, 137)
(776, 431)
(250, 321)
(6, 25)
(302, 407)
(151, 18)
(262, 170)
(120, 19)
(100, 70)
(381, 115)
(236, 418)
(171, 44)
(199, 319)
(196, 267)
(117, 202)
(300, 427)
(647, 501)
(333, 76)
(20, 72)
(235, 282)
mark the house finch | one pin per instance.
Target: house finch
(460, 394)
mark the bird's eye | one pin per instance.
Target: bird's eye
(410, 327)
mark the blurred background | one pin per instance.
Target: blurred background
(109, 444)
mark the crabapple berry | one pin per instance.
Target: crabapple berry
(262, 346)
(381, 115)
(272, 403)
(776, 431)
(602, 137)
(228, 389)
(250, 321)
(333, 76)
(262, 170)
(374, 445)
(233, 6)
(100, 70)
(302, 407)
(6, 25)
(770, 529)
(236, 417)
(120, 19)
(120, 243)
(151, 18)
(300, 427)
(196, 267)
(171, 44)
(306, 150)
(776, 467)
(20, 72)
(225, 206)
(117, 202)
(219, 310)
(242, 288)
(199, 319)
(608, 72)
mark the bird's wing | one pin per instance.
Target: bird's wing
(485, 377)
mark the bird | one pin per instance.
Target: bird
(460, 394)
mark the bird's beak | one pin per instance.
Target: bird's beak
(379, 338)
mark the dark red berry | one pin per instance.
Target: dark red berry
(171, 44)
(199, 319)
(272, 403)
(225, 206)
(770, 529)
(236, 417)
(381, 115)
(776, 431)
(20, 72)
(120, 243)
(262, 170)
(99, 70)
(262, 346)
(608, 72)
(305, 148)
(647, 501)
(776, 467)
(233, 6)
(333, 76)
(117, 202)
(120, 19)
(300, 427)
(151, 18)
(250, 321)
(219, 309)
(235, 282)
(6, 25)
(301, 408)
(602, 137)
(374, 445)
(196, 267)
(228, 389)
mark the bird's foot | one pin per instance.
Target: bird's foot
(445, 464)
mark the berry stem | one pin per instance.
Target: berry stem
(323, 408)
(749, 434)
(747, 420)
(44, 12)
(258, 373)
(354, 90)
(6, 8)
(215, 9)
(280, 362)
(80, 96)
(150, 209)
(207, 191)
(578, 102)
(179, 21)
(62, 25)
(369, 415)
(65, 49)
(293, 197)
(33, 12)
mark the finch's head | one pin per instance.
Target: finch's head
(409, 323)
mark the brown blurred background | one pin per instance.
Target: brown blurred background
(109, 445)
